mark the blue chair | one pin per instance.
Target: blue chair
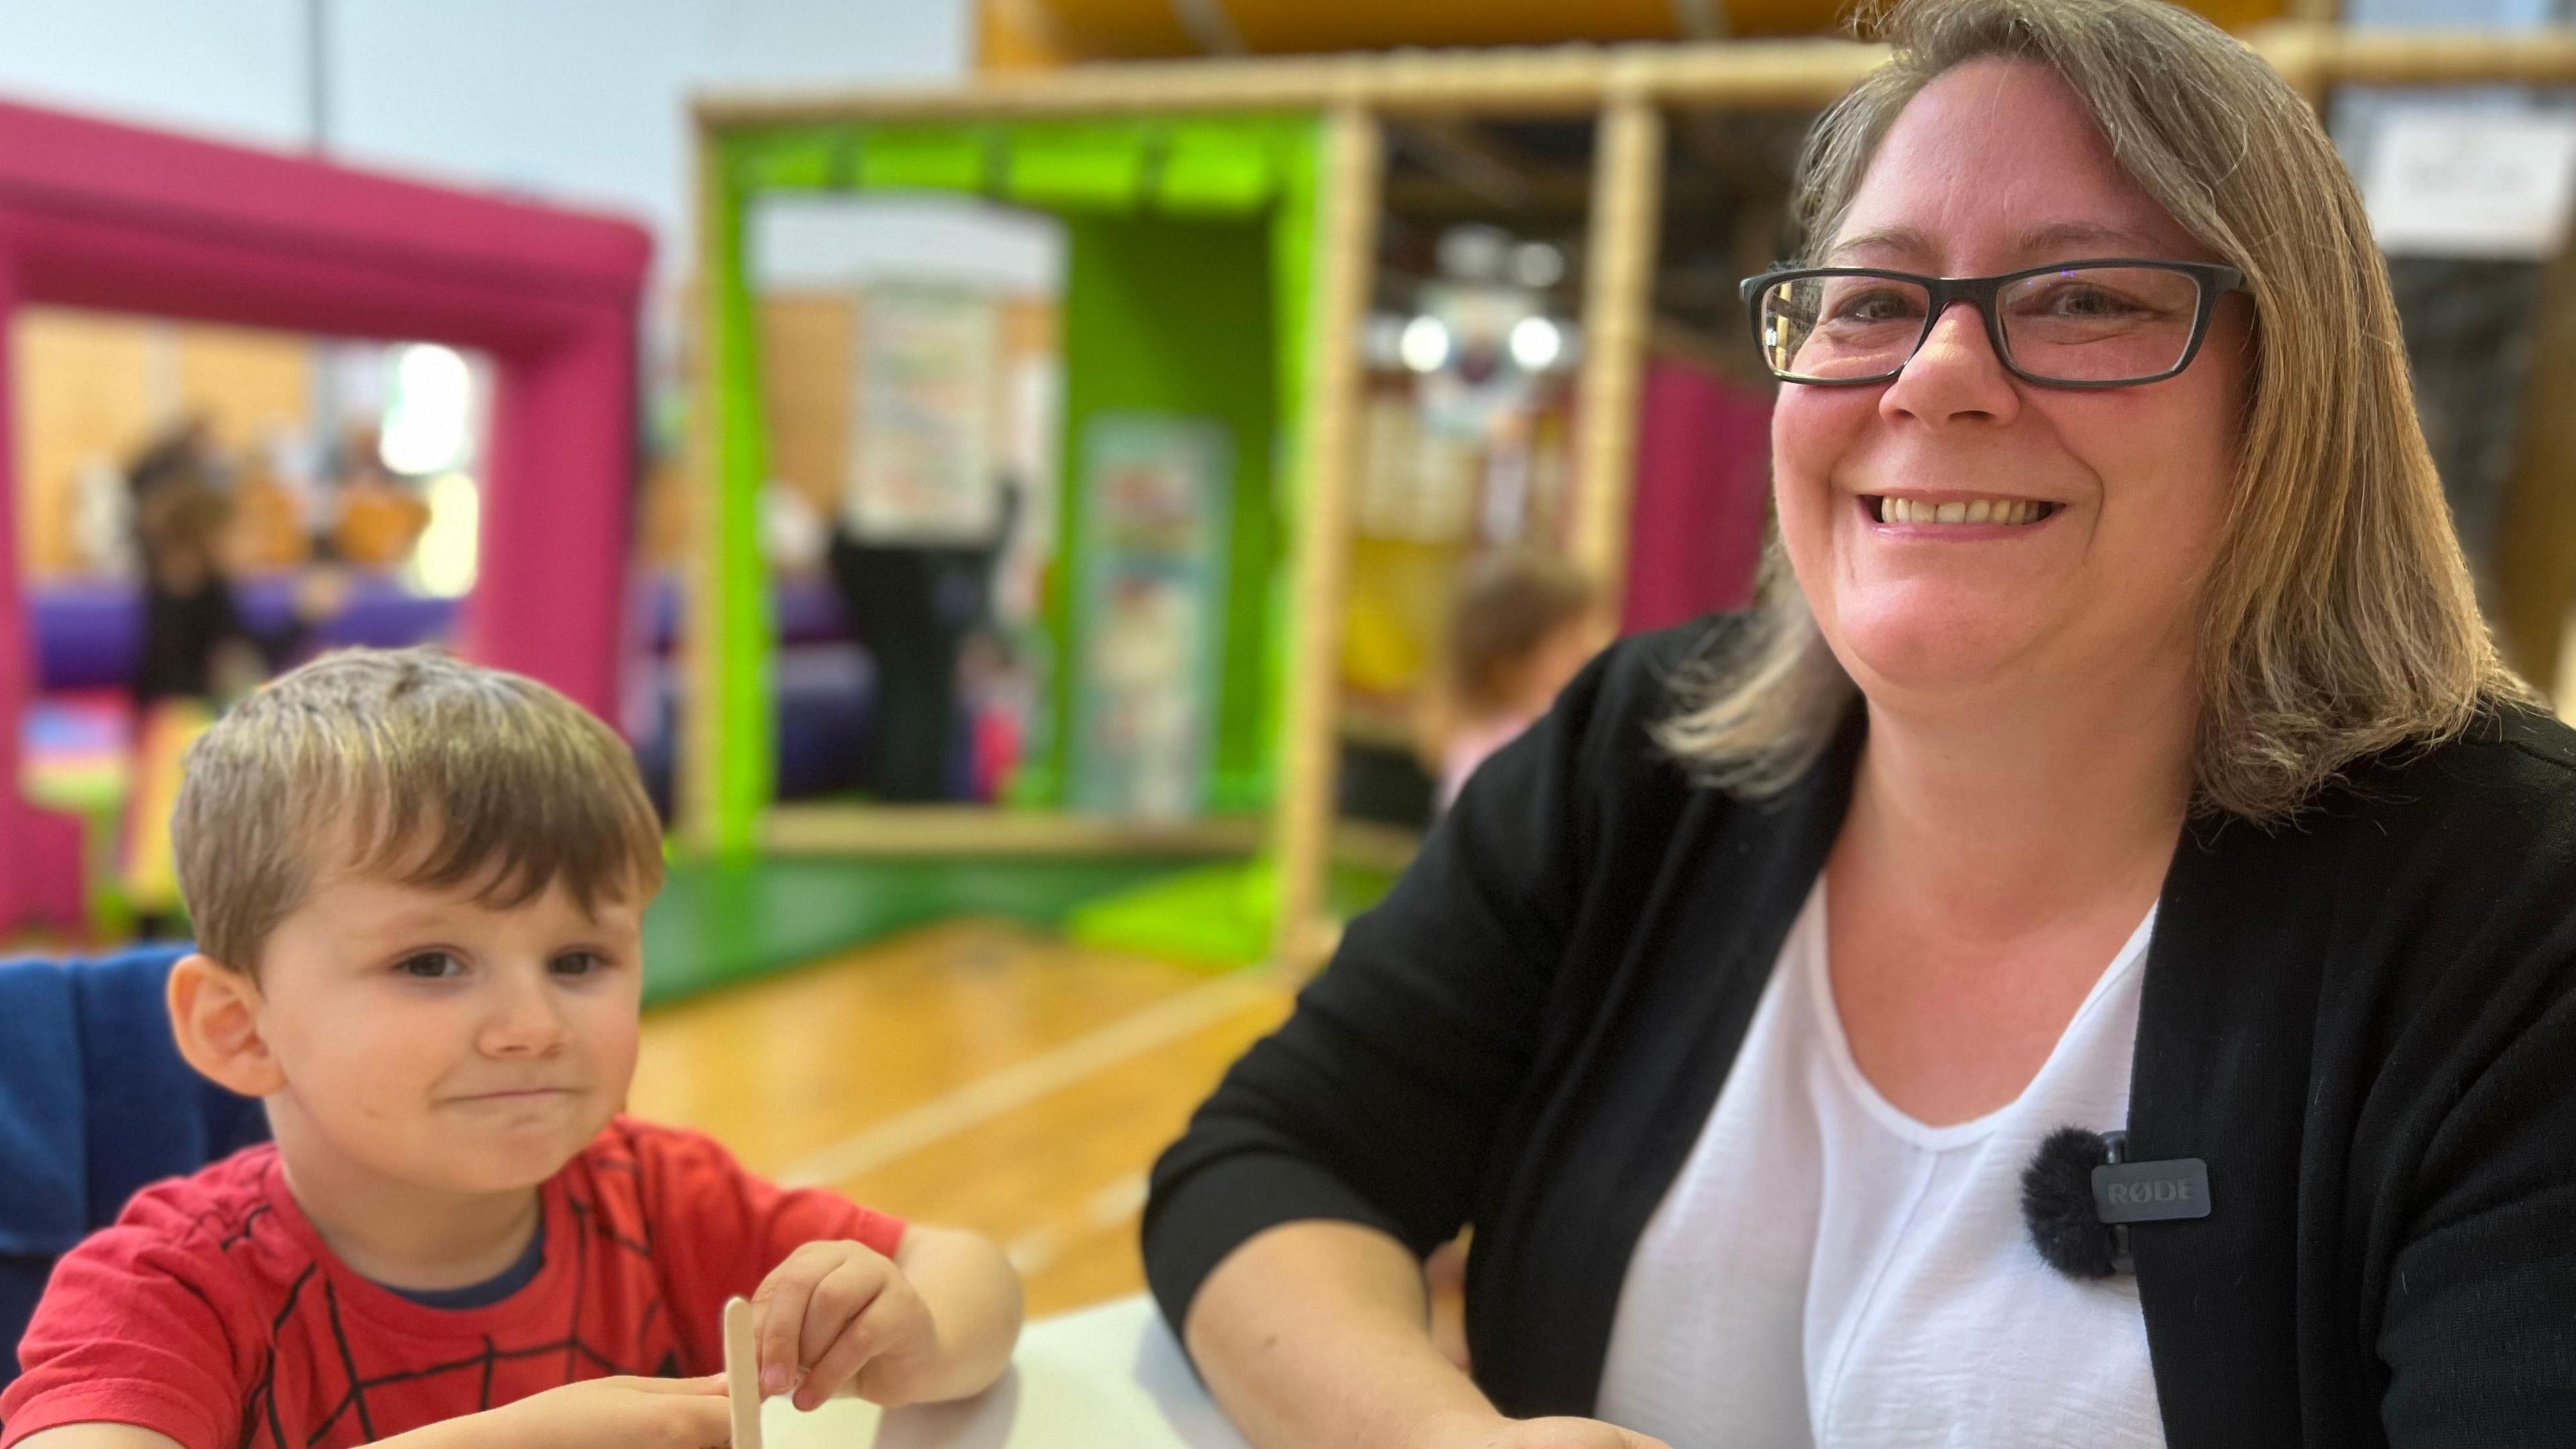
(95, 1103)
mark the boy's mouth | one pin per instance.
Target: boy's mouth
(512, 1094)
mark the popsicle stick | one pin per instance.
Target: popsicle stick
(742, 1372)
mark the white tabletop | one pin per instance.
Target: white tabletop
(1109, 1377)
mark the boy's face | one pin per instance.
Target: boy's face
(437, 1042)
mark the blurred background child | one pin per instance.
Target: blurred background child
(1522, 622)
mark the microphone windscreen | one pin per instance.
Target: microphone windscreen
(2057, 1203)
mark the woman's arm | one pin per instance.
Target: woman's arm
(1317, 1333)
(1313, 1303)
(1286, 1227)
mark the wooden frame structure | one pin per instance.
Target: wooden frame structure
(1630, 89)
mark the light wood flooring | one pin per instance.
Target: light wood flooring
(973, 1073)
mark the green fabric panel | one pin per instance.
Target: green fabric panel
(797, 160)
(924, 158)
(1295, 224)
(1234, 241)
(1078, 166)
(1129, 348)
(720, 922)
(1224, 168)
(745, 635)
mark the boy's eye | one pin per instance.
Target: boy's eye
(430, 965)
(579, 963)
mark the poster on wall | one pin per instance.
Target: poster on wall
(923, 419)
(2448, 182)
(1156, 490)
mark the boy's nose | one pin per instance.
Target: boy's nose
(524, 1022)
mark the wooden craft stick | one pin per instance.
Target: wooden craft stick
(742, 1372)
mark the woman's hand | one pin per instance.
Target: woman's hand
(841, 1313)
(1489, 1431)
(621, 1413)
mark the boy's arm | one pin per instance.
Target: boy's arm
(623, 1413)
(974, 1299)
(935, 1321)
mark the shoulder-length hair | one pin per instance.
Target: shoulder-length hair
(2337, 620)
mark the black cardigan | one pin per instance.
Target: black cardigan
(2365, 1022)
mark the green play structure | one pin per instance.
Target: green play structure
(1191, 251)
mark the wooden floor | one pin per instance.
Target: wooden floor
(977, 1074)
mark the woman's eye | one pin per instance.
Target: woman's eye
(579, 963)
(2087, 302)
(1878, 306)
(430, 966)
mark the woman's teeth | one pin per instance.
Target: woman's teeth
(1982, 510)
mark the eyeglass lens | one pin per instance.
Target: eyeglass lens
(2082, 324)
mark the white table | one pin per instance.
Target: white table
(1109, 1377)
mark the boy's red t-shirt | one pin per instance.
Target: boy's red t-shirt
(212, 1312)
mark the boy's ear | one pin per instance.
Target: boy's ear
(214, 1013)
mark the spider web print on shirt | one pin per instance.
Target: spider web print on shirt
(215, 1314)
(263, 1425)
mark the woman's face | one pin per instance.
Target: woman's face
(1992, 168)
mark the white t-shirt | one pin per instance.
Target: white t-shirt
(1827, 1271)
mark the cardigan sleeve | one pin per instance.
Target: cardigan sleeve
(1376, 1101)
(2479, 1325)
(2469, 1158)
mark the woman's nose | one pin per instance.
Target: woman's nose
(1954, 374)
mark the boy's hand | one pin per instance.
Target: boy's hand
(615, 1414)
(839, 1313)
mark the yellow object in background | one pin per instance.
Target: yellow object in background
(151, 868)
(1399, 594)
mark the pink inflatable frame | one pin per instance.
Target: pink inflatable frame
(114, 217)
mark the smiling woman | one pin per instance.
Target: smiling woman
(1732, 1005)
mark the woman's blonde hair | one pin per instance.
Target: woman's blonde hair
(2338, 619)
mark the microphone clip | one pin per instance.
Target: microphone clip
(2081, 1192)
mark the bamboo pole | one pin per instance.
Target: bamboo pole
(1573, 79)
(1558, 80)
(1346, 263)
(1619, 287)
(697, 774)
(983, 831)
(2405, 58)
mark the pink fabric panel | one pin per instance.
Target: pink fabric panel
(83, 262)
(551, 586)
(50, 161)
(1703, 488)
(27, 844)
(101, 215)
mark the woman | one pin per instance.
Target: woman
(2117, 745)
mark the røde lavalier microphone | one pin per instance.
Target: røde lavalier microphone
(2080, 1193)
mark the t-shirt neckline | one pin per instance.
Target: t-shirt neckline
(1813, 954)
(355, 1293)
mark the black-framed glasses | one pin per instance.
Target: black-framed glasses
(2111, 322)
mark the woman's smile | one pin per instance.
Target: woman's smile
(1953, 518)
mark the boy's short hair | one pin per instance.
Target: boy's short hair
(425, 770)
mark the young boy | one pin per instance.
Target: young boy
(419, 890)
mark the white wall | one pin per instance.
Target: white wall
(579, 101)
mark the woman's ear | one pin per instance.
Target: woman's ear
(214, 1011)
